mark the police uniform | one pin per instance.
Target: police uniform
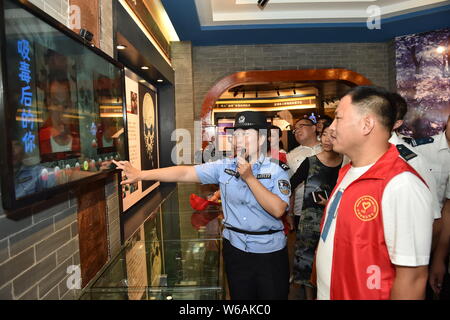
(436, 151)
(254, 246)
(419, 163)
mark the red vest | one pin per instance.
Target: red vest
(361, 267)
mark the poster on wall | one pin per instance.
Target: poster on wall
(136, 262)
(423, 79)
(148, 123)
(142, 126)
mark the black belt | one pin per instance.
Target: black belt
(256, 233)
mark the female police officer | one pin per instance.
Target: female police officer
(255, 194)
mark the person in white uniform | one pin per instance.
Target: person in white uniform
(440, 149)
(436, 151)
(414, 158)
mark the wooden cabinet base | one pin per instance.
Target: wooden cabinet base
(92, 229)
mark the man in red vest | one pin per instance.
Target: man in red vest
(376, 231)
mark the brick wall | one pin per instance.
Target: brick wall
(35, 251)
(106, 27)
(181, 54)
(58, 9)
(113, 212)
(212, 63)
(392, 65)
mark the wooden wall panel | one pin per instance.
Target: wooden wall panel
(89, 18)
(92, 229)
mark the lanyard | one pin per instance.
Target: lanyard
(332, 212)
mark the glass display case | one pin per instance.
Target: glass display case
(175, 254)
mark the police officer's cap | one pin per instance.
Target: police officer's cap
(250, 120)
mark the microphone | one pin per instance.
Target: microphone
(237, 175)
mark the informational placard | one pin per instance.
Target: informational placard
(142, 127)
(136, 262)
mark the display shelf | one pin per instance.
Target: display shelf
(175, 254)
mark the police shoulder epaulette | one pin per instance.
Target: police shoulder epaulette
(405, 152)
(283, 165)
(419, 141)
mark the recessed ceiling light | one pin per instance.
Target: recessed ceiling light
(160, 80)
(440, 49)
(121, 47)
(145, 68)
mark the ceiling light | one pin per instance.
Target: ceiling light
(145, 68)
(160, 80)
(121, 47)
(262, 3)
(440, 49)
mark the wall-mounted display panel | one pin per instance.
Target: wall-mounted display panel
(62, 107)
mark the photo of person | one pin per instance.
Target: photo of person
(59, 132)
(106, 130)
(59, 136)
(134, 104)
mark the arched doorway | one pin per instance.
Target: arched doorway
(249, 77)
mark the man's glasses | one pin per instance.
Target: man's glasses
(301, 126)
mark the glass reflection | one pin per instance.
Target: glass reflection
(159, 262)
(67, 103)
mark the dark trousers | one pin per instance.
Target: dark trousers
(256, 276)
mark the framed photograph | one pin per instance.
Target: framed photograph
(143, 138)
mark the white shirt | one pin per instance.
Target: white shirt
(407, 222)
(296, 156)
(56, 147)
(419, 163)
(437, 155)
(294, 159)
(107, 143)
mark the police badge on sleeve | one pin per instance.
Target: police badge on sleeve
(285, 187)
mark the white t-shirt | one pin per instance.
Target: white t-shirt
(56, 147)
(407, 222)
